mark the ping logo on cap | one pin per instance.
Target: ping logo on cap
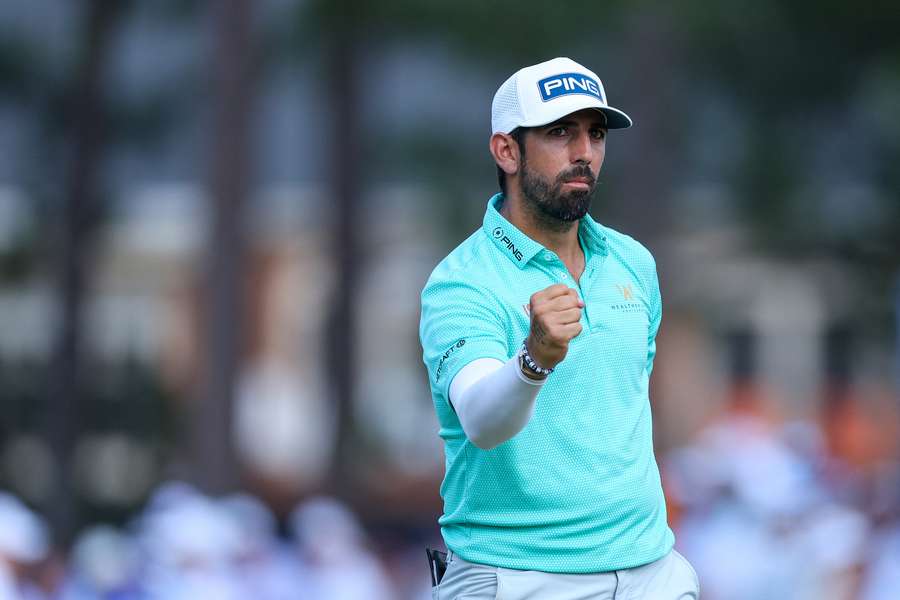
(569, 83)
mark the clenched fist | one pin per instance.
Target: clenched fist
(555, 315)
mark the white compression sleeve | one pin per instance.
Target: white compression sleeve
(493, 400)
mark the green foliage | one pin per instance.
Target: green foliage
(19, 67)
(784, 63)
(478, 30)
(126, 398)
(19, 259)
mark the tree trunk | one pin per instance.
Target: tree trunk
(80, 213)
(345, 163)
(654, 55)
(215, 467)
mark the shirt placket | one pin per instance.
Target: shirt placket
(558, 273)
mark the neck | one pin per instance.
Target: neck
(559, 236)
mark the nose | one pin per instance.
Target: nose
(581, 150)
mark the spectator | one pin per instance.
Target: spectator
(23, 542)
(333, 545)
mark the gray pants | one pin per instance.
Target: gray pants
(669, 578)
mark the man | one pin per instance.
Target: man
(539, 337)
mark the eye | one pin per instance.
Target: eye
(558, 131)
(598, 133)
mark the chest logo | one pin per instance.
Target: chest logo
(628, 303)
(626, 291)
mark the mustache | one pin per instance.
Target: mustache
(577, 171)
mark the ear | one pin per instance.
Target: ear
(506, 153)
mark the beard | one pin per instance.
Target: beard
(549, 204)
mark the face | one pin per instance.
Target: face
(560, 166)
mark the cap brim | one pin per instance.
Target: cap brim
(615, 118)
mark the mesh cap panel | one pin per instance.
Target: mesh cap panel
(505, 109)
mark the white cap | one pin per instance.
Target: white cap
(548, 91)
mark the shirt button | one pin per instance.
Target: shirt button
(548, 256)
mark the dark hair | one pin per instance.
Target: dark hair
(518, 134)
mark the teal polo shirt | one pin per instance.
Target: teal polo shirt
(578, 489)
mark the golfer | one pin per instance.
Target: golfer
(539, 333)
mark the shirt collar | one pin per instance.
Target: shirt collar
(520, 248)
(511, 242)
(593, 235)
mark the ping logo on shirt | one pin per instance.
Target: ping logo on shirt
(569, 83)
(504, 239)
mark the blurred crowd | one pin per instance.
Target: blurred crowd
(185, 545)
(773, 508)
(764, 508)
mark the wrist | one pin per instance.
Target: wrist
(529, 367)
(527, 375)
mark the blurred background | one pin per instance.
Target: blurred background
(216, 218)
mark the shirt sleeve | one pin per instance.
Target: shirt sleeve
(461, 322)
(655, 318)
